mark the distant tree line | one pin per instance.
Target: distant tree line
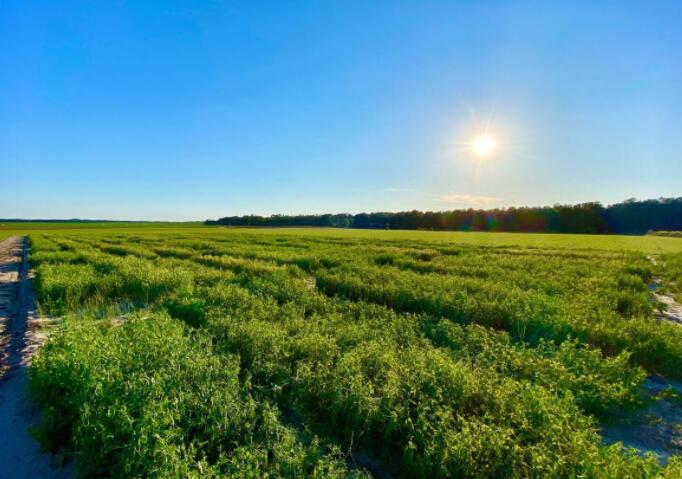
(628, 217)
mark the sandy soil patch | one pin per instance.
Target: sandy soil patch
(21, 334)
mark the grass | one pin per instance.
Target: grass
(645, 244)
(222, 352)
(672, 272)
(649, 244)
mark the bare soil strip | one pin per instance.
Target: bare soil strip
(20, 337)
(672, 309)
(658, 428)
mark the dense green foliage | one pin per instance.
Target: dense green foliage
(247, 354)
(147, 399)
(672, 271)
(628, 217)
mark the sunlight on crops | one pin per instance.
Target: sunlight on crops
(432, 354)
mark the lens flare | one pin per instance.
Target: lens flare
(483, 145)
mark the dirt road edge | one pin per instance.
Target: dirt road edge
(20, 455)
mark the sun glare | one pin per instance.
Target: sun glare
(483, 145)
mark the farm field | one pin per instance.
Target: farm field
(214, 352)
(643, 244)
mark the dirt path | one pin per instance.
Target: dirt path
(672, 309)
(20, 336)
(658, 428)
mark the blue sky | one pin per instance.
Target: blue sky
(189, 110)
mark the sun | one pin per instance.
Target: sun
(483, 145)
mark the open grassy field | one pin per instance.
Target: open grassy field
(645, 244)
(197, 351)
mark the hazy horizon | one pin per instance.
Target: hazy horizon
(161, 111)
(284, 213)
